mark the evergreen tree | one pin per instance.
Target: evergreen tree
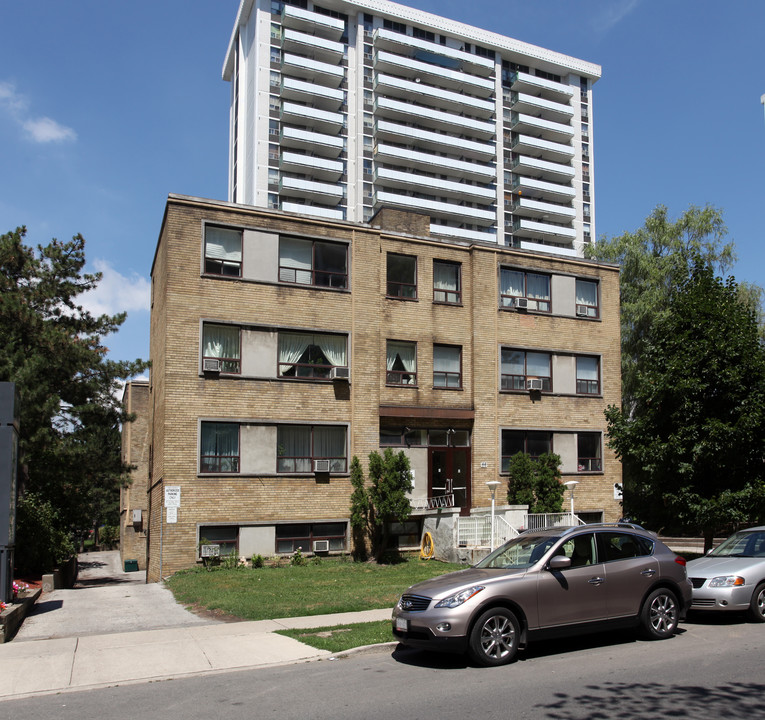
(535, 482)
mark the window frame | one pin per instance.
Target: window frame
(219, 458)
(314, 271)
(450, 297)
(233, 360)
(508, 301)
(547, 381)
(280, 456)
(310, 537)
(583, 309)
(209, 261)
(232, 545)
(399, 285)
(586, 467)
(598, 382)
(447, 374)
(505, 459)
(316, 371)
(391, 373)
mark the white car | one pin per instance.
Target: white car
(732, 576)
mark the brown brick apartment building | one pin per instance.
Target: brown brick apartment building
(283, 345)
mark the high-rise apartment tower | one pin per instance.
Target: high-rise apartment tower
(342, 107)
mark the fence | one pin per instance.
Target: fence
(476, 531)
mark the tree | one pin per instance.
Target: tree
(384, 501)
(359, 511)
(693, 441)
(655, 261)
(535, 482)
(69, 443)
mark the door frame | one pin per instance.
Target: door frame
(451, 451)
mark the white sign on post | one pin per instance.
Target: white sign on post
(172, 515)
(172, 496)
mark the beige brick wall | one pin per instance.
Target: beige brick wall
(183, 296)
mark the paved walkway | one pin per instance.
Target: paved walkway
(96, 635)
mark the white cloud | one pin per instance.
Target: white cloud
(37, 129)
(612, 14)
(116, 293)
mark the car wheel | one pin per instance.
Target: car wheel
(494, 637)
(659, 616)
(756, 611)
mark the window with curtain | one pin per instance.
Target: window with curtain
(223, 251)
(401, 276)
(589, 456)
(219, 448)
(447, 282)
(299, 445)
(401, 363)
(587, 376)
(311, 355)
(534, 288)
(533, 443)
(313, 262)
(587, 298)
(222, 342)
(518, 366)
(447, 366)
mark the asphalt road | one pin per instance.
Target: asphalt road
(710, 670)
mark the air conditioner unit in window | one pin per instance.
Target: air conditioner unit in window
(211, 365)
(534, 384)
(136, 517)
(521, 303)
(581, 310)
(321, 545)
(321, 466)
(340, 373)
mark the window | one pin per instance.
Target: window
(526, 441)
(401, 363)
(223, 251)
(299, 445)
(227, 536)
(587, 298)
(221, 342)
(219, 448)
(423, 34)
(588, 453)
(581, 550)
(518, 367)
(313, 262)
(587, 376)
(310, 355)
(291, 537)
(447, 366)
(446, 282)
(402, 276)
(622, 546)
(395, 26)
(531, 289)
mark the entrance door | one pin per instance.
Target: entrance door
(450, 475)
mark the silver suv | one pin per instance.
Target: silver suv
(545, 583)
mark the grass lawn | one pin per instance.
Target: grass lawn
(343, 637)
(332, 586)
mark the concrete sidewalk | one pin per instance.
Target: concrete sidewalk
(93, 661)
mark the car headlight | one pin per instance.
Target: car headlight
(458, 598)
(726, 581)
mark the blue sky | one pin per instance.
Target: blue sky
(107, 107)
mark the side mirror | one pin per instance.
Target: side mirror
(559, 562)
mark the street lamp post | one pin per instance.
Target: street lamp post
(493, 485)
(571, 484)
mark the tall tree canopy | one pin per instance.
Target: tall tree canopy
(51, 347)
(693, 439)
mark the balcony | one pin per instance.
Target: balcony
(548, 109)
(318, 168)
(541, 210)
(316, 95)
(314, 142)
(542, 169)
(458, 213)
(542, 231)
(314, 118)
(568, 250)
(312, 46)
(312, 22)
(438, 54)
(457, 233)
(440, 98)
(315, 210)
(525, 82)
(387, 178)
(544, 190)
(429, 140)
(313, 70)
(547, 129)
(480, 172)
(544, 149)
(310, 189)
(410, 112)
(433, 74)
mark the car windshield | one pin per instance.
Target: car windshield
(742, 544)
(520, 552)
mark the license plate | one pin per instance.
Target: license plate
(401, 624)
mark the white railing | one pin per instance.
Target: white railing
(440, 501)
(536, 521)
(476, 531)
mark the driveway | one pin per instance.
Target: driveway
(105, 599)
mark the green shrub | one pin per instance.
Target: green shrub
(257, 561)
(41, 542)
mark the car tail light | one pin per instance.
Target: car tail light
(680, 560)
